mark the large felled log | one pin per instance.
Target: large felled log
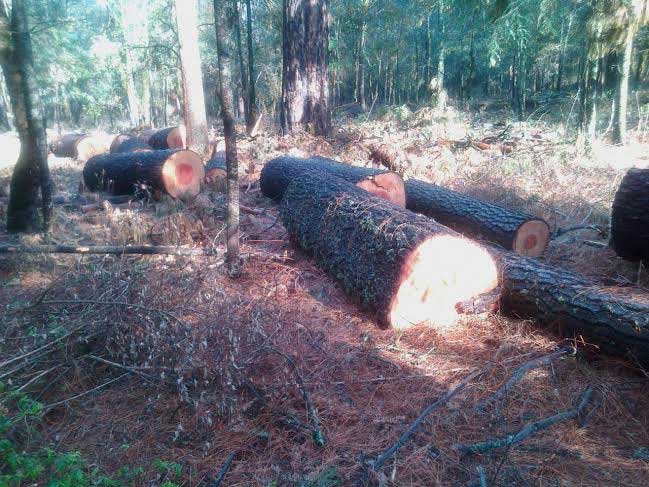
(405, 267)
(522, 233)
(169, 138)
(128, 143)
(178, 173)
(614, 319)
(280, 172)
(81, 146)
(630, 216)
(66, 145)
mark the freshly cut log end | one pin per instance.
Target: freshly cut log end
(630, 217)
(178, 173)
(438, 276)
(91, 145)
(216, 171)
(169, 138)
(280, 172)
(520, 232)
(66, 145)
(128, 143)
(405, 267)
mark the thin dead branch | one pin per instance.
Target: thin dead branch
(107, 250)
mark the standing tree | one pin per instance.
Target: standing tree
(305, 78)
(190, 60)
(31, 172)
(225, 82)
(252, 96)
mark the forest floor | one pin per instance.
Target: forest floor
(160, 369)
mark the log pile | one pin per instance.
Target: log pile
(280, 172)
(168, 138)
(178, 173)
(630, 217)
(128, 143)
(520, 232)
(81, 146)
(404, 267)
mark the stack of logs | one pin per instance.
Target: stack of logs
(449, 255)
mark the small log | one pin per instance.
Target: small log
(178, 173)
(215, 169)
(387, 157)
(520, 232)
(128, 143)
(104, 249)
(169, 138)
(66, 145)
(405, 267)
(280, 172)
(630, 217)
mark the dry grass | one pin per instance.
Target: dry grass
(206, 385)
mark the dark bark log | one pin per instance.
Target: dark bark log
(305, 78)
(31, 172)
(615, 320)
(278, 174)
(178, 173)
(232, 167)
(525, 234)
(169, 138)
(405, 267)
(128, 143)
(630, 217)
(216, 171)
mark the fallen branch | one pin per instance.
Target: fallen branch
(405, 437)
(562, 231)
(529, 430)
(224, 470)
(521, 372)
(106, 249)
(101, 386)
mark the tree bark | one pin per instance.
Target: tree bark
(31, 172)
(523, 233)
(225, 91)
(252, 95)
(168, 138)
(190, 60)
(128, 143)
(620, 114)
(243, 73)
(630, 217)
(305, 78)
(404, 267)
(176, 173)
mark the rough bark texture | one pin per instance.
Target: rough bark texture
(178, 173)
(190, 60)
(128, 143)
(278, 173)
(252, 95)
(160, 139)
(305, 79)
(614, 320)
(66, 145)
(229, 131)
(31, 172)
(405, 267)
(630, 217)
(471, 217)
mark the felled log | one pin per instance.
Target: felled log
(128, 143)
(215, 169)
(630, 217)
(66, 145)
(169, 138)
(614, 319)
(81, 146)
(520, 232)
(280, 172)
(405, 267)
(178, 173)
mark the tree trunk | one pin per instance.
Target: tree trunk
(442, 96)
(176, 173)
(525, 234)
(405, 267)
(243, 73)
(305, 83)
(252, 95)
(225, 83)
(620, 121)
(278, 174)
(362, 97)
(630, 217)
(31, 172)
(190, 60)
(168, 138)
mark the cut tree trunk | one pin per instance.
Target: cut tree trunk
(278, 174)
(615, 320)
(178, 173)
(630, 217)
(169, 138)
(81, 146)
(522, 233)
(405, 267)
(66, 145)
(216, 171)
(128, 143)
